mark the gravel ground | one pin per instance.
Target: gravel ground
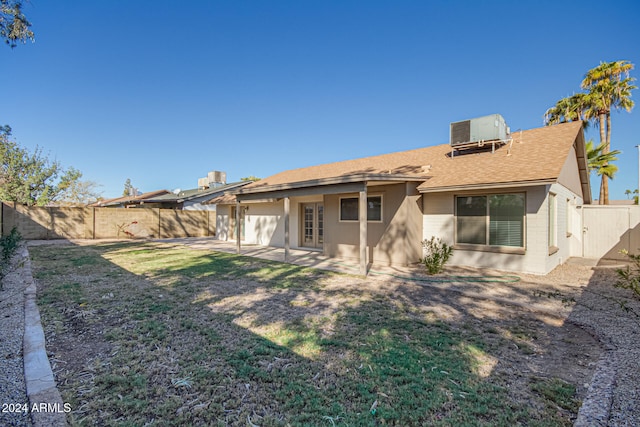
(12, 387)
(614, 398)
(599, 308)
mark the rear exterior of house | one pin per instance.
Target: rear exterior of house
(513, 207)
(538, 230)
(326, 223)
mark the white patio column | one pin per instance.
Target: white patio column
(286, 229)
(238, 225)
(362, 219)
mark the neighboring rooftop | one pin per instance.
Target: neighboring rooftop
(186, 195)
(124, 200)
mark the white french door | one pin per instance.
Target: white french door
(312, 225)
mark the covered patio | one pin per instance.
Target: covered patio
(305, 258)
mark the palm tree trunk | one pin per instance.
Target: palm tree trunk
(604, 190)
(607, 149)
(608, 146)
(603, 199)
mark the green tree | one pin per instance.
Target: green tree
(127, 187)
(608, 87)
(600, 162)
(30, 178)
(14, 26)
(250, 178)
(76, 192)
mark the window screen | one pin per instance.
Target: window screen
(506, 220)
(472, 219)
(496, 220)
(349, 209)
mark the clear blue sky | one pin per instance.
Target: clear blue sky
(164, 91)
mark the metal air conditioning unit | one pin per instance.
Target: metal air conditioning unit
(479, 130)
(203, 183)
(217, 177)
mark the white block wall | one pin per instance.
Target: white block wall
(439, 221)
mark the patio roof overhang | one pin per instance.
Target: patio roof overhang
(332, 185)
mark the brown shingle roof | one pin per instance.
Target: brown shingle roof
(129, 199)
(225, 199)
(532, 156)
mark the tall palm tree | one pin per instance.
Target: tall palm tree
(569, 109)
(609, 87)
(559, 113)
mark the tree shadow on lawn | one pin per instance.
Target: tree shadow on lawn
(146, 333)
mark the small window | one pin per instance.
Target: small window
(349, 208)
(553, 222)
(569, 213)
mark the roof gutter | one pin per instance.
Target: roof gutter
(485, 186)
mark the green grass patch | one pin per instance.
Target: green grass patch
(160, 335)
(557, 392)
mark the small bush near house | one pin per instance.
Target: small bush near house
(8, 247)
(630, 277)
(437, 253)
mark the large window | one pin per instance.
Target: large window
(494, 220)
(349, 208)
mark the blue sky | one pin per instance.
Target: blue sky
(162, 92)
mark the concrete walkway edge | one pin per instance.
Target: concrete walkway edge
(45, 401)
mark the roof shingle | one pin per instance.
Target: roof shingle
(533, 155)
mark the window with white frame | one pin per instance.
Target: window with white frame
(553, 221)
(349, 208)
(492, 220)
(569, 213)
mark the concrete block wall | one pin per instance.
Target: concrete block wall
(123, 223)
(32, 223)
(41, 223)
(439, 221)
(191, 223)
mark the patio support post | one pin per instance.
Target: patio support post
(362, 219)
(238, 225)
(286, 228)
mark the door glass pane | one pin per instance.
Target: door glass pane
(471, 220)
(308, 224)
(320, 224)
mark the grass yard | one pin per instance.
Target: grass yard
(151, 334)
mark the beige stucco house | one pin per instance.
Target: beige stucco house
(511, 205)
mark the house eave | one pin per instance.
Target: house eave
(347, 179)
(488, 186)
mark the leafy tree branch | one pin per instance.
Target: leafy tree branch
(14, 26)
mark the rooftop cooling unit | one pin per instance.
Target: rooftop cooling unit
(487, 128)
(217, 177)
(203, 182)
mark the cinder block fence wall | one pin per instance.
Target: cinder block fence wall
(40, 223)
